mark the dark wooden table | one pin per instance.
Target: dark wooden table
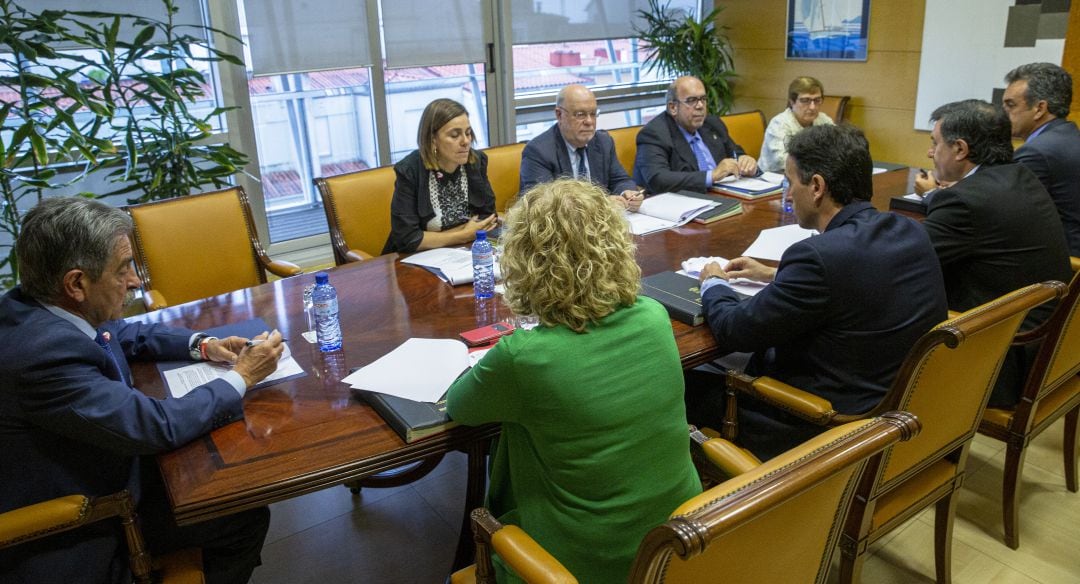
(306, 434)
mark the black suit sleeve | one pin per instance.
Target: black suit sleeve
(1036, 162)
(948, 222)
(406, 233)
(795, 303)
(534, 169)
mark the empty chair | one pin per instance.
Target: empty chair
(198, 246)
(357, 206)
(730, 532)
(62, 514)
(1051, 390)
(747, 129)
(946, 381)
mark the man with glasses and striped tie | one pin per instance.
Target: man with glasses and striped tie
(687, 149)
(70, 421)
(574, 148)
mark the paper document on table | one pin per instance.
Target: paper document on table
(665, 211)
(182, 380)
(751, 184)
(450, 264)
(692, 267)
(418, 369)
(879, 170)
(772, 243)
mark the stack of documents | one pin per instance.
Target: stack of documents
(751, 188)
(665, 211)
(450, 264)
(407, 385)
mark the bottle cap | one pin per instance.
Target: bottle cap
(481, 235)
(321, 278)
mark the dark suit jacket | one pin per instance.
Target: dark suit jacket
(844, 309)
(666, 163)
(1054, 157)
(545, 158)
(995, 231)
(411, 207)
(68, 425)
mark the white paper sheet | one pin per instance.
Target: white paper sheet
(772, 243)
(879, 170)
(418, 369)
(665, 211)
(450, 264)
(692, 267)
(752, 184)
(182, 380)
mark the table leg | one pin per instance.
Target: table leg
(474, 497)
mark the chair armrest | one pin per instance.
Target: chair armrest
(154, 300)
(282, 269)
(791, 399)
(1074, 263)
(953, 314)
(529, 559)
(732, 460)
(355, 255)
(33, 521)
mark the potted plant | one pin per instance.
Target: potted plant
(117, 98)
(683, 45)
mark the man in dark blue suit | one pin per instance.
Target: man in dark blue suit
(994, 228)
(574, 148)
(70, 422)
(841, 311)
(1037, 101)
(686, 148)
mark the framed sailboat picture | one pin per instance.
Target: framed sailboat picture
(827, 29)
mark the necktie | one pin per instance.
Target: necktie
(701, 154)
(582, 170)
(102, 339)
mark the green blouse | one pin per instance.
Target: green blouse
(594, 449)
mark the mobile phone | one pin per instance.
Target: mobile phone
(486, 334)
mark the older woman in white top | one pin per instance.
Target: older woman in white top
(805, 95)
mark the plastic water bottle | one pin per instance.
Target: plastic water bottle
(483, 266)
(327, 325)
(786, 197)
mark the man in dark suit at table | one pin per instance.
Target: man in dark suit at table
(687, 149)
(842, 309)
(574, 148)
(70, 422)
(1037, 101)
(995, 228)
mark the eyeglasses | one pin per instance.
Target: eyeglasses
(811, 100)
(693, 101)
(581, 116)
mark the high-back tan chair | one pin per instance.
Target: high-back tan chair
(945, 380)
(1052, 390)
(835, 106)
(198, 246)
(62, 514)
(730, 533)
(625, 146)
(747, 129)
(504, 173)
(357, 206)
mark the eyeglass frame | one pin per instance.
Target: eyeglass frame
(811, 100)
(580, 116)
(693, 100)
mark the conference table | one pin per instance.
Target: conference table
(308, 433)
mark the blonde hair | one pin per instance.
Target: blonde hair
(436, 115)
(567, 255)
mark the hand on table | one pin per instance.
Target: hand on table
(256, 362)
(750, 269)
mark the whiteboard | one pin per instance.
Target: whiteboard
(964, 54)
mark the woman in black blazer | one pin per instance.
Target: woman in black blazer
(442, 196)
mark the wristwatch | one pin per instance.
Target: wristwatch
(197, 349)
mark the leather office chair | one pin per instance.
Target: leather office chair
(198, 246)
(625, 146)
(1051, 390)
(357, 206)
(73, 511)
(747, 129)
(835, 106)
(733, 528)
(504, 174)
(945, 380)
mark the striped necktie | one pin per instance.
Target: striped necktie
(582, 169)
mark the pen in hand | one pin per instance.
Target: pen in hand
(253, 342)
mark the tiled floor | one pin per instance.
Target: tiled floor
(407, 534)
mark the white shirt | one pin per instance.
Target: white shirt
(783, 126)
